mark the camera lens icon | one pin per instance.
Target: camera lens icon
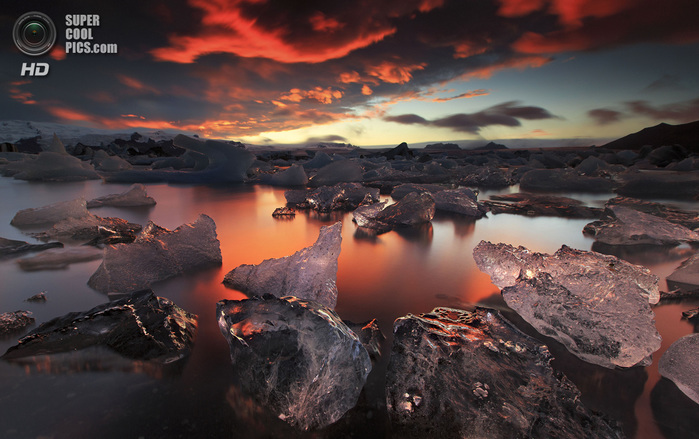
(34, 33)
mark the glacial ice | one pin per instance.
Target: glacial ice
(341, 171)
(404, 189)
(597, 306)
(11, 247)
(621, 225)
(296, 358)
(14, 321)
(50, 166)
(57, 259)
(134, 196)
(412, 210)
(679, 364)
(109, 163)
(226, 163)
(319, 160)
(157, 254)
(523, 203)
(461, 374)
(309, 273)
(462, 201)
(141, 326)
(686, 276)
(293, 176)
(51, 214)
(92, 229)
(342, 196)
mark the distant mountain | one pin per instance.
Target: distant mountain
(492, 146)
(686, 135)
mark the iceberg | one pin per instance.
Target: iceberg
(412, 210)
(157, 254)
(134, 196)
(51, 166)
(341, 171)
(57, 259)
(308, 274)
(293, 176)
(679, 364)
(11, 247)
(295, 357)
(462, 201)
(342, 196)
(51, 214)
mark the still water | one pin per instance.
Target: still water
(384, 278)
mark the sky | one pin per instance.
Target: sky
(366, 72)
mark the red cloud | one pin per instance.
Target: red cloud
(324, 96)
(137, 85)
(513, 63)
(394, 73)
(517, 8)
(468, 94)
(18, 95)
(321, 23)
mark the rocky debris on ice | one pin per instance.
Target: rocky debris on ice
(293, 176)
(309, 273)
(141, 326)
(283, 212)
(621, 225)
(92, 229)
(679, 364)
(523, 203)
(686, 218)
(412, 210)
(11, 247)
(686, 276)
(296, 358)
(134, 196)
(50, 166)
(15, 321)
(597, 306)
(560, 180)
(342, 196)
(370, 335)
(661, 184)
(341, 171)
(51, 214)
(225, 163)
(462, 201)
(157, 254)
(455, 374)
(57, 259)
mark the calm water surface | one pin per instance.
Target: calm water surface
(95, 395)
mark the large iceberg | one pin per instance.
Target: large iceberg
(293, 176)
(134, 196)
(141, 326)
(157, 254)
(225, 163)
(597, 306)
(51, 166)
(341, 171)
(461, 374)
(308, 274)
(296, 358)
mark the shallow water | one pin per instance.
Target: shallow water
(94, 395)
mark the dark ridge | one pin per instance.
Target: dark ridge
(686, 135)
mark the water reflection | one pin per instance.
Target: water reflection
(675, 413)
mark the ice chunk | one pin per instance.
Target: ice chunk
(51, 166)
(284, 212)
(56, 145)
(546, 205)
(15, 321)
(370, 335)
(308, 274)
(319, 160)
(37, 298)
(92, 229)
(402, 190)
(412, 210)
(10, 247)
(597, 306)
(687, 218)
(563, 180)
(225, 163)
(51, 214)
(621, 225)
(57, 259)
(461, 201)
(134, 196)
(104, 162)
(342, 196)
(296, 358)
(342, 171)
(141, 326)
(293, 176)
(686, 276)
(455, 373)
(157, 254)
(679, 364)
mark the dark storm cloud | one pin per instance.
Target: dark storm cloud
(328, 138)
(244, 67)
(684, 111)
(604, 116)
(505, 114)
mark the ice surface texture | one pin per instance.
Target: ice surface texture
(597, 306)
(51, 214)
(679, 364)
(226, 164)
(687, 275)
(308, 274)
(341, 171)
(134, 196)
(141, 326)
(460, 374)
(412, 210)
(462, 201)
(15, 321)
(293, 176)
(342, 196)
(295, 357)
(157, 254)
(621, 225)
